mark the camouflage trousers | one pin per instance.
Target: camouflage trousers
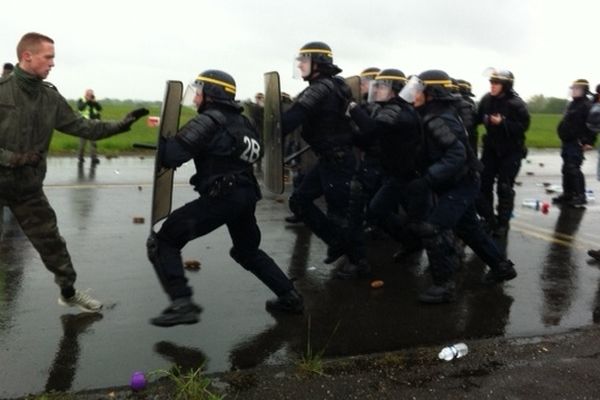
(37, 219)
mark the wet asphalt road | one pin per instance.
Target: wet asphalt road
(44, 346)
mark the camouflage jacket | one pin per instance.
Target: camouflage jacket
(30, 110)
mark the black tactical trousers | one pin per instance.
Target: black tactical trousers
(329, 178)
(204, 215)
(573, 180)
(365, 183)
(502, 169)
(455, 210)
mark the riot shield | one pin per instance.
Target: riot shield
(162, 187)
(273, 139)
(354, 83)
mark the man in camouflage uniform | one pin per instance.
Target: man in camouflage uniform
(30, 109)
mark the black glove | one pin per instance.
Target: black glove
(31, 158)
(132, 117)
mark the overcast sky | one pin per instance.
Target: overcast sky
(128, 49)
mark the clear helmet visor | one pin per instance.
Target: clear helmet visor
(302, 66)
(380, 91)
(497, 73)
(192, 95)
(576, 91)
(413, 86)
(365, 85)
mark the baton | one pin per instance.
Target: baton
(296, 154)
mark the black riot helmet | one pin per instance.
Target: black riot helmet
(387, 84)
(437, 84)
(395, 77)
(321, 58)
(464, 87)
(503, 77)
(583, 85)
(369, 73)
(454, 88)
(218, 85)
(215, 86)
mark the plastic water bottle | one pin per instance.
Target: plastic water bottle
(457, 350)
(531, 203)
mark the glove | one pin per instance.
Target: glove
(31, 158)
(350, 107)
(133, 116)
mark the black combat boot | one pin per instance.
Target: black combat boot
(181, 311)
(562, 198)
(505, 271)
(595, 254)
(334, 252)
(293, 219)
(439, 293)
(406, 250)
(290, 302)
(578, 201)
(350, 270)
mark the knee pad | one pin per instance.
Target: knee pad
(505, 190)
(152, 248)
(570, 169)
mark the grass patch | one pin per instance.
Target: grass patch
(191, 385)
(312, 362)
(542, 132)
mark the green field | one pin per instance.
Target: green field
(542, 132)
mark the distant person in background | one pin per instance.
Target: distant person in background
(7, 69)
(505, 118)
(575, 138)
(89, 108)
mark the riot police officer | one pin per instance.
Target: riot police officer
(320, 111)
(224, 145)
(391, 136)
(575, 137)
(449, 169)
(506, 119)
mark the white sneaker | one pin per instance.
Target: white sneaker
(84, 301)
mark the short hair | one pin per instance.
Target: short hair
(30, 42)
(8, 66)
